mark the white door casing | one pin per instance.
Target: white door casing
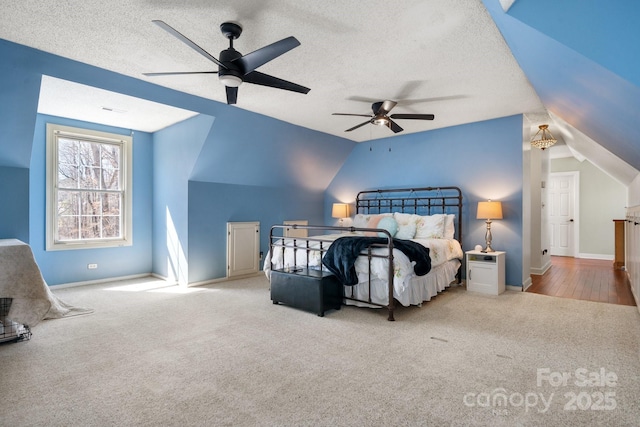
(563, 213)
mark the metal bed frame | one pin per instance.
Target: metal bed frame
(419, 201)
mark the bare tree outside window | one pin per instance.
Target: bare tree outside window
(88, 190)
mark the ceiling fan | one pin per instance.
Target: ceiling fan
(235, 68)
(381, 116)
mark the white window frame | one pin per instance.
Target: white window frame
(54, 132)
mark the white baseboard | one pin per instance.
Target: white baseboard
(95, 282)
(224, 279)
(604, 257)
(540, 271)
(155, 275)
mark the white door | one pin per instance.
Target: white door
(243, 248)
(562, 191)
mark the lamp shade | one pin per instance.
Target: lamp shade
(489, 210)
(340, 210)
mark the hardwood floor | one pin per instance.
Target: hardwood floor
(584, 279)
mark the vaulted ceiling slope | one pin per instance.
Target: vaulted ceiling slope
(584, 63)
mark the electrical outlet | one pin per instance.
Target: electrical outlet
(261, 255)
(92, 266)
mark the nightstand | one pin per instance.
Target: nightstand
(485, 272)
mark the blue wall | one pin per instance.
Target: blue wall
(14, 191)
(604, 31)
(212, 205)
(71, 265)
(483, 168)
(176, 150)
(581, 58)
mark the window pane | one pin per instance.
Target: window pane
(110, 226)
(90, 227)
(111, 204)
(90, 203)
(89, 178)
(110, 161)
(110, 179)
(68, 228)
(67, 163)
(111, 215)
(68, 203)
(89, 153)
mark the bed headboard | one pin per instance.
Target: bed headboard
(420, 201)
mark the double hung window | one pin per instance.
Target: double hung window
(88, 188)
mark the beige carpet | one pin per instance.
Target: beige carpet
(225, 355)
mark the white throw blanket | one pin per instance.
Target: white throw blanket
(21, 280)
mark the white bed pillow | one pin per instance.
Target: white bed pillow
(449, 226)
(404, 218)
(406, 232)
(361, 220)
(429, 227)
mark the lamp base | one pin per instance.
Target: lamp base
(487, 238)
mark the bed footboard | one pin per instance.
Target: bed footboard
(306, 249)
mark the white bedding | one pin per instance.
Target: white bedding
(409, 289)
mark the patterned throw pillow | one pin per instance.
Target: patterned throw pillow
(373, 223)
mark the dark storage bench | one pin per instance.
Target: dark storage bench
(307, 289)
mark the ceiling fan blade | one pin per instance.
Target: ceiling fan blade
(349, 114)
(262, 79)
(394, 126)
(172, 73)
(386, 107)
(412, 86)
(232, 94)
(357, 126)
(253, 60)
(168, 28)
(413, 116)
(361, 99)
(407, 102)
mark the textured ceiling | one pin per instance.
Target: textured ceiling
(441, 57)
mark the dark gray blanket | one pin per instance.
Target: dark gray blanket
(341, 256)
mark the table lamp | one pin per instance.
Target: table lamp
(340, 210)
(489, 210)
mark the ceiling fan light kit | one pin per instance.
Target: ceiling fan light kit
(381, 117)
(230, 80)
(235, 68)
